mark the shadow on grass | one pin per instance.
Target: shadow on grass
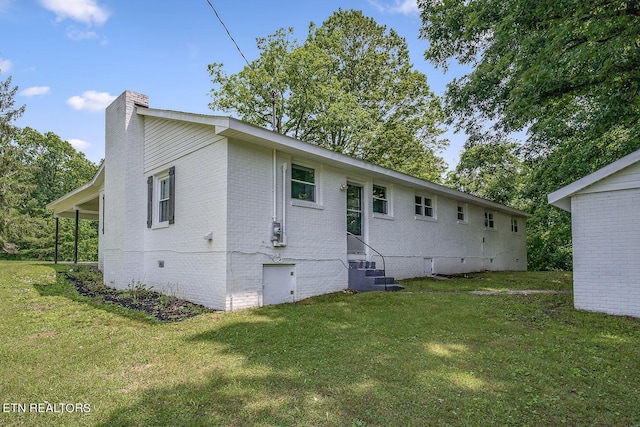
(351, 360)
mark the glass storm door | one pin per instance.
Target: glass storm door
(354, 219)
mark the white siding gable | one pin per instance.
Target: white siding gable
(166, 141)
(625, 179)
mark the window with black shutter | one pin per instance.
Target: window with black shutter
(161, 189)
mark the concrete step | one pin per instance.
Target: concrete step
(364, 277)
(371, 272)
(383, 280)
(361, 264)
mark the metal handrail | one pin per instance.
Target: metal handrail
(370, 247)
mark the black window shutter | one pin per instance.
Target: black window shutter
(172, 194)
(149, 202)
(103, 211)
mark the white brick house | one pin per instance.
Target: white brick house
(231, 215)
(604, 210)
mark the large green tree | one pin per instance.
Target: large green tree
(54, 169)
(57, 167)
(36, 169)
(567, 72)
(349, 87)
(491, 170)
(14, 183)
(558, 67)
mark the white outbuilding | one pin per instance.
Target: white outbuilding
(605, 212)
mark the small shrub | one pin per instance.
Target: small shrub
(139, 291)
(86, 274)
(97, 287)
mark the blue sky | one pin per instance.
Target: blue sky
(71, 58)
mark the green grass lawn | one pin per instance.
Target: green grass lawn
(431, 356)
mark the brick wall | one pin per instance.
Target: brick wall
(606, 251)
(407, 240)
(192, 267)
(316, 232)
(124, 217)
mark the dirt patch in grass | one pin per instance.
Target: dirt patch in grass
(520, 292)
(165, 308)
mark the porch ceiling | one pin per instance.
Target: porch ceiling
(84, 199)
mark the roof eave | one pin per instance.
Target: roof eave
(559, 201)
(304, 148)
(230, 127)
(74, 200)
(561, 198)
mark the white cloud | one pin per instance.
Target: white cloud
(79, 144)
(91, 101)
(5, 65)
(35, 90)
(404, 7)
(407, 7)
(86, 11)
(76, 35)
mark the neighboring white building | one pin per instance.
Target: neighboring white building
(605, 208)
(231, 215)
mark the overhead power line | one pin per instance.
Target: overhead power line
(228, 33)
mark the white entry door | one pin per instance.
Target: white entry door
(355, 245)
(278, 284)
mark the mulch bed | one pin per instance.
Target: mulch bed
(161, 307)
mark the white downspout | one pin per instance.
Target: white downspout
(274, 189)
(284, 206)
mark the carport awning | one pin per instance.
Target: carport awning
(85, 200)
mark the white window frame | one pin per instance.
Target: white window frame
(489, 220)
(463, 209)
(155, 199)
(160, 180)
(386, 200)
(514, 225)
(313, 184)
(422, 205)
